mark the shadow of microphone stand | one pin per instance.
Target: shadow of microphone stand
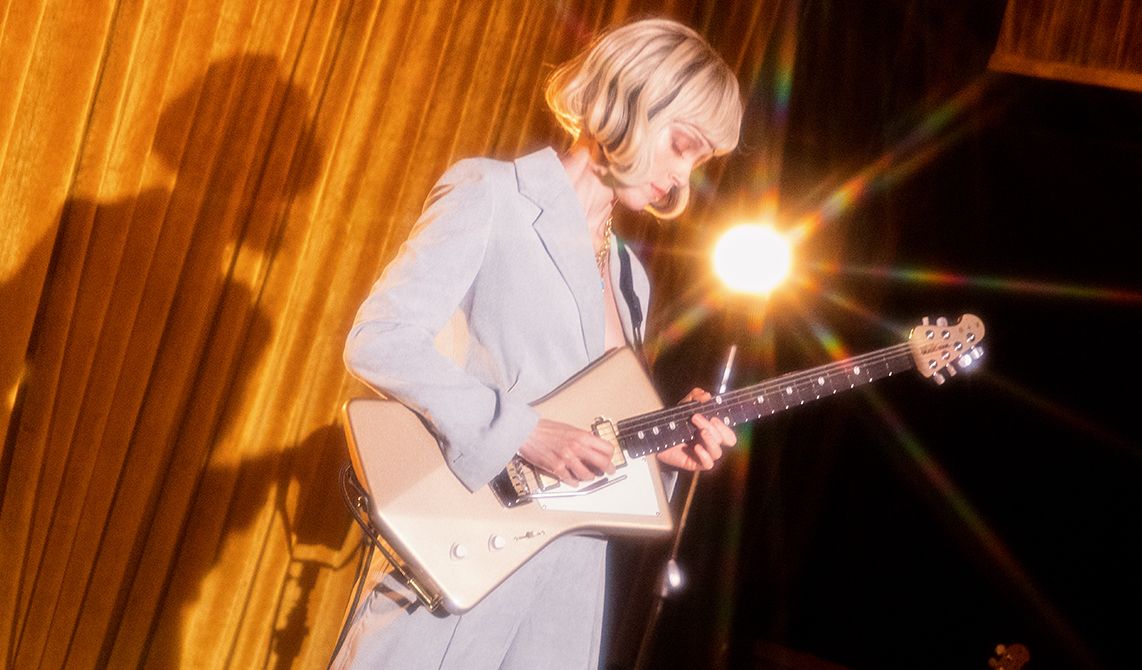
(672, 580)
(311, 536)
(288, 638)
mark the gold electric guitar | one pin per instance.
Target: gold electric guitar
(454, 546)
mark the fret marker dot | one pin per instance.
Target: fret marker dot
(654, 430)
(641, 434)
(821, 381)
(672, 425)
(856, 370)
(788, 390)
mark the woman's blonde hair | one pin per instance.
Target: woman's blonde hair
(633, 80)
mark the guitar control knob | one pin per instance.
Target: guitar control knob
(497, 542)
(459, 552)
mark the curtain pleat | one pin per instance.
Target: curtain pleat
(197, 194)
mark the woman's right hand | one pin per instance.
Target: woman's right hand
(571, 454)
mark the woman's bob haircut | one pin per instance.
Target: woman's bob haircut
(634, 80)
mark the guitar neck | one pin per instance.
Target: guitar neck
(665, 428)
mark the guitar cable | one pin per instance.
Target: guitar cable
(355, 499)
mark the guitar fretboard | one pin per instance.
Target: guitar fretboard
(665, 428)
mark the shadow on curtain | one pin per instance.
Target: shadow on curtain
(148, 328)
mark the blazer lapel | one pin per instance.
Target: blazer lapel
(563, 231)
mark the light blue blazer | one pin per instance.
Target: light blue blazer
(506, 244)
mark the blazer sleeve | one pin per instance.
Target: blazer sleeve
(391, 345)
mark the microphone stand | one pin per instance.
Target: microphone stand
(672, 580)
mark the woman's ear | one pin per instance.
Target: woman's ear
(599, 161)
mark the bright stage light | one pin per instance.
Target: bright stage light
(752, 258)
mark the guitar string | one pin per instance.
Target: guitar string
(735, 400)
(792, 380)
(665, 415)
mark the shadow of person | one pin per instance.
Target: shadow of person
(234, 495)
(146, 337)
(15, 287)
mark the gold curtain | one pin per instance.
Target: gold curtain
(1084, 41)
(196, 195)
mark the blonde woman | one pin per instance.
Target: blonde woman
(523, 250)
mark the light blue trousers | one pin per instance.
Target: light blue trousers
(547, 615)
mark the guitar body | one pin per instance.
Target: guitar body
(458, 544)
(454, 546)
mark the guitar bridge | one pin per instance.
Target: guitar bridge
(515, 484)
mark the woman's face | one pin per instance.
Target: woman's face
(679, 147)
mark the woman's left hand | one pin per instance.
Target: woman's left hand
(707, 449)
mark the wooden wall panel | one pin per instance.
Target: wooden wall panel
(1085, 41)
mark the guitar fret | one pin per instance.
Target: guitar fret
(656, 431)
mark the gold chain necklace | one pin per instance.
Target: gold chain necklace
(604, 253)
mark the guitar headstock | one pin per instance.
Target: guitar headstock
(938, 347)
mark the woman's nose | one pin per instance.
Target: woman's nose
(682, 171)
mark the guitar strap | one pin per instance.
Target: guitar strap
(626, 285)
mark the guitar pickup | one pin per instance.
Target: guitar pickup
(605, 430)
(545, 481)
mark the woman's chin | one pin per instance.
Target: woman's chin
(634, 203)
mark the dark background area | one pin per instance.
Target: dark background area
(1002, 507)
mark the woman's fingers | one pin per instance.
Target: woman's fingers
(571, 454)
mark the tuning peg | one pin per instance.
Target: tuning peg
(939, 378)
(966, 360)
(977, 352)
(941, 322)
(924, 321)
(951, 369)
